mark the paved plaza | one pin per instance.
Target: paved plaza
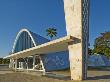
(59, 76)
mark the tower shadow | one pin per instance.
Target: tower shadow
(58, 76)
(99, 77)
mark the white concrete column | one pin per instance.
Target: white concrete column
(43, 68)
(27, 65)
(34, 62)
(74, 27)
(10, 64)
(15, 64)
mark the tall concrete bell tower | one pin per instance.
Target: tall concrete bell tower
(77, 25)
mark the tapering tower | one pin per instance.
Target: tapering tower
(77, 25)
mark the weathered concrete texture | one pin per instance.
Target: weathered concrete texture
(73, 17)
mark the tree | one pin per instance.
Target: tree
(90, 51)
(51, 32)
(4, 61)
(1, 59)
(102, 44)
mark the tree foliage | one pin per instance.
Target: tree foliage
(51, 32)
(102, 44)
(90, 51)
(4, 61)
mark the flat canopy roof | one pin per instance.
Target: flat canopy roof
(57, 45)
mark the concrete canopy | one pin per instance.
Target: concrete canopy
(57, 45)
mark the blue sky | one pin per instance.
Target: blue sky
(37, 15)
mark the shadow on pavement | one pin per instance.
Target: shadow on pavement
(57, 76)
(99, 77)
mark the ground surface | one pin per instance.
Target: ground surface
(94, 75)
(61, 76)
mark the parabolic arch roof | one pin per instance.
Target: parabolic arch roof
(26, 39)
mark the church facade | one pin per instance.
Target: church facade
(26, 39)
